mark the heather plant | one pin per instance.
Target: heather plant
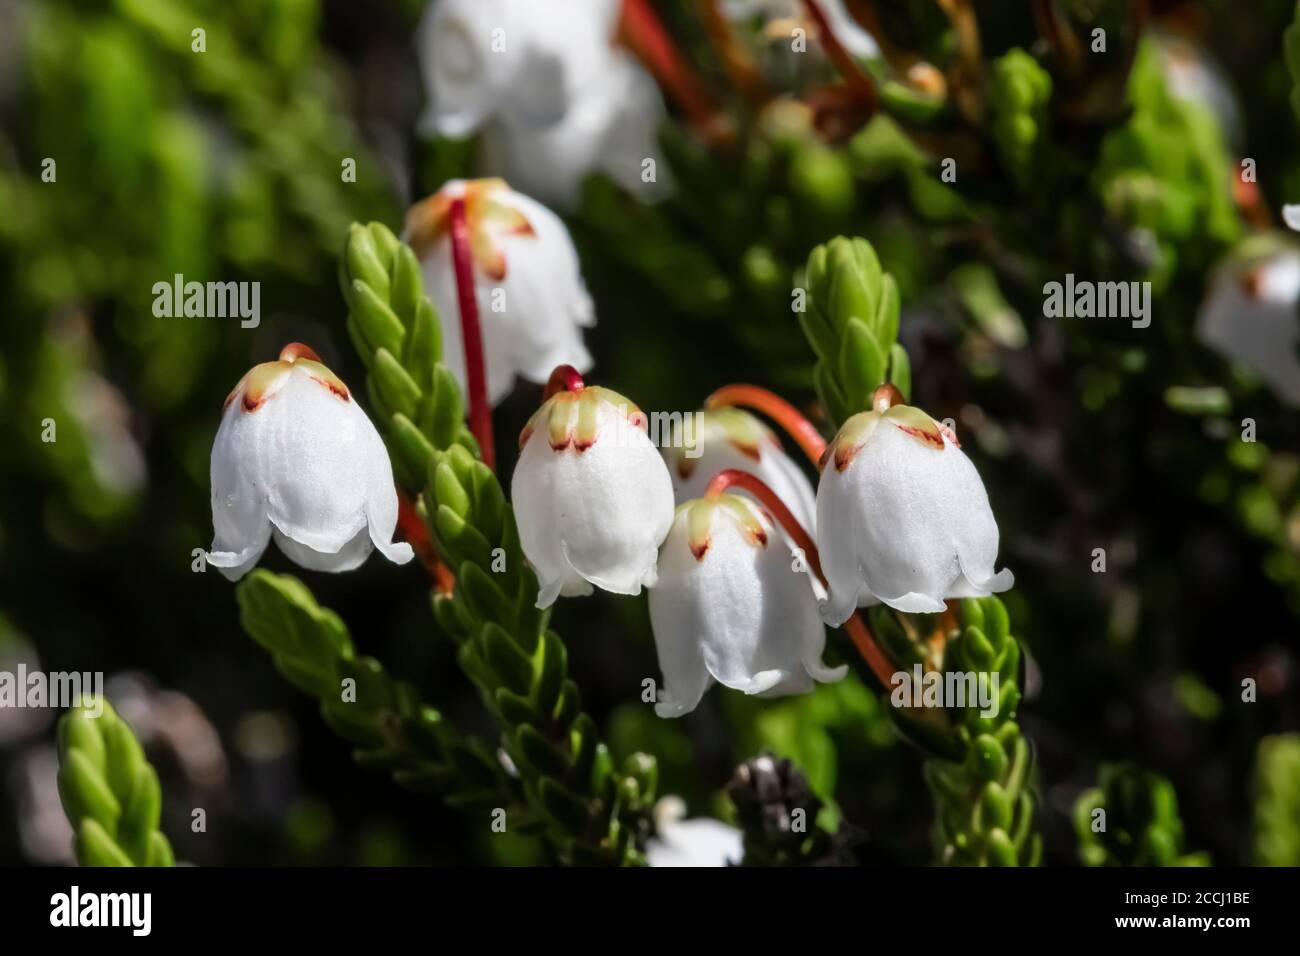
(822, 432)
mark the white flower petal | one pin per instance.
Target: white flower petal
(556, 97)
(1250, 315)
(611, 128)
(766, 460)
(306, 463)
(732, 609)
(531, 318)
(350, 556)
(595, 515)
(699, 842)
(235, 564)
(860, 44)
(907, 524)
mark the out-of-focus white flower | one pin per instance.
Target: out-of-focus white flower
(903, 517)
(532, 302)
(1250, 315)
(592, 496)
(295, 457)
(733, 438)
(613, 133)
(702, 841)
(731, 607)
(545, 82)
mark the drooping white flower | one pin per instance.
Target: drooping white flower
(532, 302)
(484, 57)
(733, 438)
(733, 605)
(296, 459)
(592, 496)
(701, 841)
(544, 81)
(1252, 315)
(903, 517)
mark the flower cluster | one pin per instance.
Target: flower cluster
(745, 562)
(904, 520)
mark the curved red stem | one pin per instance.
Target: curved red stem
(417, 535)
(804, 432)
(565, 378)
(857, 628)
(645, 34)
(480, 411)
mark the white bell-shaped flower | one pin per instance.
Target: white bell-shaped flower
(700, 841)
(555, 97)
(592, 496)
(297, 459)
(734, 605)
(903, 516)
(730, 437)
(1252, 315)
(532, 302)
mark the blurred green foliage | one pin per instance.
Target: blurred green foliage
(1131, 819)
(1277, 801)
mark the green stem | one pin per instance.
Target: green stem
(591, 812)
(391, 728)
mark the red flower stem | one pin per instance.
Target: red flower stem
(480, 411)
(645, 34)
(565, 378)
(776, 408)
(858, 80)
(865, 642)
(417, 535)
(855, 626)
